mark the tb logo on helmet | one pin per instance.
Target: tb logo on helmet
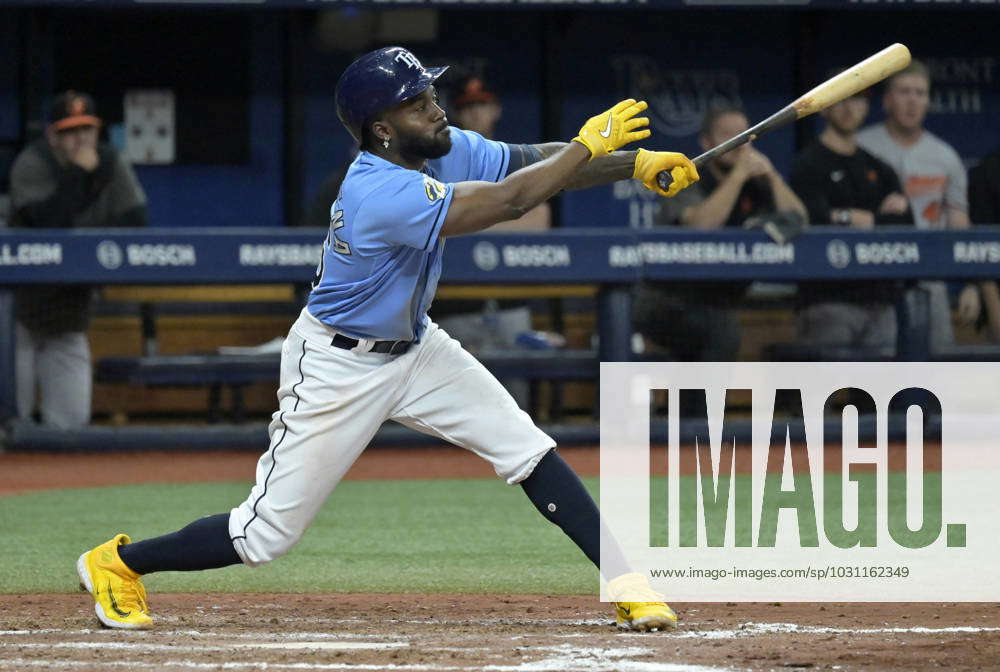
(409, 59)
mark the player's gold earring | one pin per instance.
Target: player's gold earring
(385, 142)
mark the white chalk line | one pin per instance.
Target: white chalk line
(567, 663)
(595, 651)
(327, 646)
(460, 621)
(554, 664)
(751, 629)
(196, 665)
(742, 630)
(596, 659)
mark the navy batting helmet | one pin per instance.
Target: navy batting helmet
(378, 80)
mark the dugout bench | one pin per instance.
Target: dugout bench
(233, 372)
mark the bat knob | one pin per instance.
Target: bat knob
(664, 179)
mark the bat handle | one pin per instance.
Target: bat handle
(665, 179)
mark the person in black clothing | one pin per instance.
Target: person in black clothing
(984, 208)
(66, 179)
(843, 185)
(698, 321)
(984, 190)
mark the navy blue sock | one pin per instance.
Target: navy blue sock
(204, 544)
(558, 494)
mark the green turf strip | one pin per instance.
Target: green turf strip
(470, 536)
(475, 536)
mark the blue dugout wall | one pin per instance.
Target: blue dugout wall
(10, 55)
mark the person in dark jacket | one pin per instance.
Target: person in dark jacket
(65, 179)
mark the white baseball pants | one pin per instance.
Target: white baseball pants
(332, 401)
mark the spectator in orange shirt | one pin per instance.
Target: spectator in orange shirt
(933, 179)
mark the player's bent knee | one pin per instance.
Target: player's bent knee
(522, 468)
(255, 551)
(259, 541)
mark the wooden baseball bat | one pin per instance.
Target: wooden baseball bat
(870, 71)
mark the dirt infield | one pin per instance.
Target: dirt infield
(529, 633)
(23, 472)
(504, 633)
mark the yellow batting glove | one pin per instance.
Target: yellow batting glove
(649, 164)
(614, 128)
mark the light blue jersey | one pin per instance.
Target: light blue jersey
(382, 257)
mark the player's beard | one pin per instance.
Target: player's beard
(423, 147)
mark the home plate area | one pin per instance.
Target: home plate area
(533, 633)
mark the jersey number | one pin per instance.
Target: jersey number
(339, 246)
(337, 222)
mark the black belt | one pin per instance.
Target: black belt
(384, 347)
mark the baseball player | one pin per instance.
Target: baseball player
(363, 350)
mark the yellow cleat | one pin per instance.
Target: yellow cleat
(645, 615)
(119, 596)
(639, 607)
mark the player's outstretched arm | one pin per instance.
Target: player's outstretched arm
(478, 205)
(601, 170)
(640, 164)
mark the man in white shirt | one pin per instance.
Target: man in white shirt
(933, 179)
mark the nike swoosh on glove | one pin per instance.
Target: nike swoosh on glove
(614, 128)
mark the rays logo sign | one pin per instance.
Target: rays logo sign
(435, 190)
(678, 99)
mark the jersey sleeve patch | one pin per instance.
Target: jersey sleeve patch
(435, 190)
